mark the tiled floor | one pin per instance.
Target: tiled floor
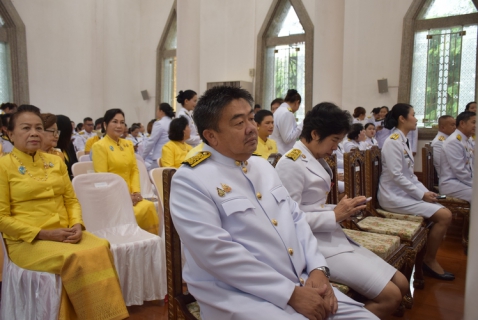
(439, 300)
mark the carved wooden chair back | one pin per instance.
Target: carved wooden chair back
(354, 173)
(428, 170)
(373, 170)
(274, 158)
(177, 300)
(333, 196)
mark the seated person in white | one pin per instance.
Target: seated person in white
(355, 138)
(359, 115)
(249, 251)
(286, 131)
(471, 106)
(370, 131)
(307, 177)
(382, 132)
(446, 126)
(456, 162)
(400, 191)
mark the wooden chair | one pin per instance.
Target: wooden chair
(180, 305)
(457, 206)
(274, 158)
(333, 197)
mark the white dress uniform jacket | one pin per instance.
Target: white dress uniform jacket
(81, 138)
(352, 144)
(412, 137)
(194, 140)
(370, 142)
(153, 146)
(7, 146)
(456, 167)
(308, 182)
(437, 145)
(340, 165)
(286, 131)
(247, 243)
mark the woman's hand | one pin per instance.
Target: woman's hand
(67, 235)
(348, 207)
(430, 197)
(77, 234)
(136, 197)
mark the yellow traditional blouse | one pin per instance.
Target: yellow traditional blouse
(117, 157)
(89, 143)
(57, 152)
(174, 153)
(28, 205)
(1, 149)
(265, 148)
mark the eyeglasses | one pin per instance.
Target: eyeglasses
(56, 133)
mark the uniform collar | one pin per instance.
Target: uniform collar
(442, 134)
(404, 139)
(25, 157)
(219, 157)
(317, 166)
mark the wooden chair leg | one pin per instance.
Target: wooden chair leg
(466, 227)
(418, 279)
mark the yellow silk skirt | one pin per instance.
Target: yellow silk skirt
(91, 288)
(146, 216)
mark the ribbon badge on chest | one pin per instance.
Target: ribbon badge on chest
(223, 190)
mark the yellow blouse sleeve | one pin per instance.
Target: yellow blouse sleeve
(8, 224)
(100, 158)
(274, 146)
(135, 182)
(167, 156)
(69, 198)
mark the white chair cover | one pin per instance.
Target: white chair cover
(139, 255)
(80, 153)
(28, 294)
(147, 190)
(139, 157)
(82, 168)
(83, 158)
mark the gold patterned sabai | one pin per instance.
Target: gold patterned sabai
(197, 159)
(293, 154)
(458, 136)
(394, 136)
(441, 138)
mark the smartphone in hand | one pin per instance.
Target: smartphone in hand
(441, 197)
(366, 200)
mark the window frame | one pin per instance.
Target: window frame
(13, 33)
(264, 41)
(162, 53)
(412, 24)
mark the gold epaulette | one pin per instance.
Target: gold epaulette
(458, 136)
(290, 109)
(441, 138)
(5, 138)
(197, 159)
(81, 133)
(394, 136)
(293, 154)
(256, 155)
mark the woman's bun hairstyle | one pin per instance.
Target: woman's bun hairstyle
(391, 119)
(185, 95)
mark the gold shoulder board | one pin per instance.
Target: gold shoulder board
(293, 154)
(5, 138)
(290, 109)
(458, 136)
(441, 138)
(197, 159)
(256, 155)
(81, 133)
(394, 136)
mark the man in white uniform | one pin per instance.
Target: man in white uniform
(249, 251)
(456, 162)
(84, 134)
(446, 126)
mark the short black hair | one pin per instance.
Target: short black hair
(177, 127)
(210, 105)
(467, 108)
(464, 116)
(326, 119)
(261, 114)
(368, 125)
(23, 109)
(376, 110)
(400, 109)
(355, 131)
(110, 114)
(443, 118)
(257, 106)
(100, 121)
(277, 100)
(87, 119)
(359, 111)
(7, 106)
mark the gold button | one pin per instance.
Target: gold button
(259, 195)
(303, 156)
(274, 222)
(291, 252)
(34, 164)
(321, 205)
(237, 163)
(245, 162)
(301, 281)
(244, 170)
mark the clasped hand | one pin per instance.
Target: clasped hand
(136, 197)
(66, 235)
(348, 207)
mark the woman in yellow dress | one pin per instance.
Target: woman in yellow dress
(265, 126)
(50, 135)
(174, 152)
(40, 218)
(116, 155)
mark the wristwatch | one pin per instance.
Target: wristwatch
(325, 270)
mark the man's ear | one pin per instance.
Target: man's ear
(315, 135)
(211, 137)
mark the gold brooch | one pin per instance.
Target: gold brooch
(226, 188)
(220, 192)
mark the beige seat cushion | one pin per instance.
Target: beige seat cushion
(194, 310)
(380, 244)
(342, 287)
(405, 229)
(399, 216)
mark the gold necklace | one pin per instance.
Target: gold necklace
(22, 169)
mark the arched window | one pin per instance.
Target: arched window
(13, 56)
(285, 54)
(439, 58)
(166, 62)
